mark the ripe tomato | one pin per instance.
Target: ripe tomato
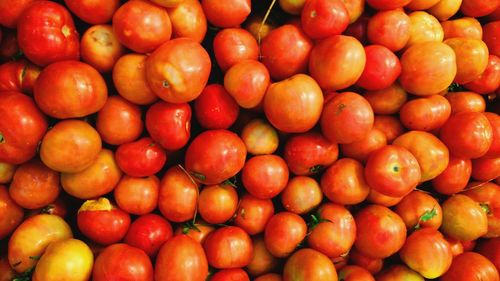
(455, 177)
(489, 80)
(373, 265)
(6, 172)
(93, 12)
(389, 125)
(361, 150)
(475, 9)
(233, 45)
(421, 4)
(488, 195)
(308, 264)
(19, 76)
(197, 231)
(226, 14)
(265, 176)
(187, 18)
(263, 261)
(215, 108)
(420, 210)
(490, 249)
(378, 198)
(472, 58)
(381, 29)
(355, 273)
(424, 28)
(11, 214)
(234, 274)
(494, 150)
(8, 46)
(463, 218)
(169, 124)
(486, 169)
(137, 196)
(301, 195)
(148, 233)
(387, 4)
(122, 262)
(465, 102)
(178, 195)
(388, 100)
(260, 138)
(141, 158)
(490, 36)
(100, 48)
(228, 247)
(323, 18)
(463, 27)
(102, 222)
(381, 70)
(471, 266)
(247, 81)
(399, 272)
(253, 214)
(283, 233)
(46, 33)
(10, 12)
(344, 182)
(217, 203)
(426, 113)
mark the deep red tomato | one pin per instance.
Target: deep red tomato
(263, 261)
(301, 195)
(381, 70)
(382, 31)
(253, 214)
(355, 273)
(228, 247)
(141, 158)
(307, 264)
(490, 36)
(122, 262)
(100, 48)
(142, 26)
(247, 81)
(420, 210)
(226, 14)
(11, 214)
(215, 108)
(471, 266)
(387, 4)
(494, 150)
(93, 12)
(426, 113)
(169, 124)
(22, 126)
(466, 102)
(361, 150)
(178, 195)
(217, 203)
(478, 9)
(265, 176)
(283, 233)
(46, 33)
(486, 169)
(211, 148)
(373, 265)
(181, 258)
(324, 18)
(490, 248)
(148, 233)
(488, 195)
(11, 11)
(463, 218)
(399, 272)
(234, 274)
(489, 80)
(19, 76)
(232, 45)
(137, 196)
(188, 19)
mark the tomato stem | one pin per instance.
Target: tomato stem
(268, 12)
(2, 139)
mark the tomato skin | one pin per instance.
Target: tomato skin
(148, 233)
(11, 214)
(486, 169)
(301, 195)
(378, 198)
(141, 158)
(373, 265)
(247, 82)
(233, 45)
(494, 150)
(361, 150)
(471, 266)
(283, 233)
(234, 274)
(46, 33)
(490, 36)
(265, 176)
(389, 125)
(93, 12)
(463, 27)
(229, 14)
(19, 76)
(12, 11)
(478, 9)
(488, 195)
(65, 259)
(472, 58)
(138, 196)
(178, 195)
(490, 249)
(102, 222)
(399, 272)
(380, 232)
(263, 261)
(228, 247)
(6, 271)
(198, 234)
(424, 28)
(417, 204)
(260, 138)
(100, 47)
(308, 264)
(387, 4)
(355, 273)
(22, 126)
(188, 20)
(381, 70)
(425, 114)
(177, 75)
(122, 262)
(463, 218)
(6, 172)
(489, 80)
(169, 124)
(253, 214)
(142, 26)
(217, 203)
(180, 259)
(465, 102)
(215, 108)
(322, 18)
(381, 32)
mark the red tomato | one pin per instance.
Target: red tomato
(100, 47)
(226, 14)
(285, 51)
(490, 35)
(262, 261)
(233, 45)
(22, 126)
(148, 233)
(19, 76)
(388, 100)
(381, 70)
(138, 196)
(478, 9)
(390, 29)
(178, 195)
(488, 195)
(188, 20)
(471, 56)
(373, 265)
(471, 267)
(228, 247)
(387, 4)
(141, 158)
(361, 150)
(102, 222)
(489, 80)
(494, 150)
(122, 262)
(284, 232)
(465, 102)
(380, 232)
(486, 169)
(301, 195)
(463, 218)
(197, 231)
(490, 249)
(70, 89)
(181, 258)
(46, 33)
(142, 26)
(324, 18)
(215, 108)
(169, 124)
(260, 137)
(253, 214)
(308, 264)
(265, 176)
(420, 210)
(247, 82)
(11, 214)
(217, 203)
(178, 70)
(234, 274)
(426, 113)
(93, 12)
(6, 172)
(378, 198)
(355, 273)
(389, 125)
(208, 150)
(11, 11)
(399, 272)
(462, 27)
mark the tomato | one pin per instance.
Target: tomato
(355, 273)
(294, 105)
(11, 214)
(389, 125)
(208, 150)
(258, 30)
(6, 271)
(467, 134)
(378, 198)
(283, 233)
(301, 195)
(265, 176)
(141, 158)
(421, 4)
(490, 36)
(285, 51)
(129, 78)
(463, 27)
(436, 60)
(445, 9)
(65, 259)
(494, 150)
(472, 58)
(323, 18)
(247, 82)
(465, 102)
(474, 9)
(34, 185)
(188, 19)
(8, 46)
(471, 266)
(355, 9)
(19, 76)
(181, 258)
(93, 12)
(389, 28)
(293, 7)
(227, 14)
(178, 70)
(22, 126)
(399, 272)
(169, 124)
(490, 249)
(253, 214)
(102, 222)
(489, 80)
(31, 238)
(344, 182)
(148, 233)
(228, 247)
(424, 28)
(233, 45)
(463, 218)
(308, 264)
(420, 210)
(361, 150)
(262, 261)
(217, 203)
(178, 195)
(12, 11)
(380, 232)
(269, 277)
(142, 26)
(197, 231)
(486, 169)
(426, 113)
(116, 114)
(373, 265)
(387, 4)
(46, 33)
(122, 262)
(335, 236)
(6, 172)
(215, 108)
(168, 3)
(138, 196)
(388, 100)
(234, 274)
(260, 138)
(431, 153)
(488, 195)
(455, 245)
(71, 146)
(381, 70)
(100, 47)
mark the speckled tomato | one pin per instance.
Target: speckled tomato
(100, 47)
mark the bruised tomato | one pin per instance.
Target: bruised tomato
(253, 214)
(284, 232)
(233, 45)
(187, 18)
(148, 233)
(93, 12)
(141, 158)
(309, 264)
(169, 124)
(122, 262)
(228, 247)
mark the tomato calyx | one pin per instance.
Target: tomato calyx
(66, 31)
(486, 208)
(426, 216)
(2, 139)
(315, 220)
(455, 87)
(189, 226)
(17, 56)
(198, 176)
(101, 204)
(315, 169)
(231, 182)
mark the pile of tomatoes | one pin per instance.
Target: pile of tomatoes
(229, 140)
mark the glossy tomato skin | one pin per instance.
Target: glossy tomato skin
(490, 36)
(425, 114)
(169, 124)
(208, 150)
(102, 222)
(129, 78)
(265, 176)
(11, 214)
(142, 26)
(188, 20)
(229, 14)
(19, 76)
(486, 169)
(178, 195)
(391, 126)
(141, 158)
(122, 262)
(263, 261)
(253, 214)
(178, 70)
(373, 265)
(489, 80)
(138, 196)
(93, 12)
(488, 195)
(283, 233)
(301, 195)
(217, 203)
(387, 4)
(465, 27)
(478, 9)
(381, 32)
(181, 258)
(361, 150)
(234, 274)
(494, 150)
(215, 108)
(247, 82)
(472, 58)
(322, 18)
(22, 126)
(388, 100)
(232, 45)
(100, 47)
(355, 273)
(148, 233)
(308, 264)
(228, 247)
(463, 218)
(465, 102)
(381, 70)
(46, 33)
(471, 266)
(12, 11)
(420, 210)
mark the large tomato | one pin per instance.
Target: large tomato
(420, 210)
(169, 124)
(488, 195)
(149, 233)
(463, 218)
(284, 232)
(138, 196)
(188, 19)
(233, 45)
(11, 214)
(308, 264)
(228, 247)
(471, 266)
(178, 195)
(122, 262)
(93, 12)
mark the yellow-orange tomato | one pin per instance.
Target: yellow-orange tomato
(472, 58)
(355, 9)
(98, 179)
(463, 218)
(301, 195)
(426, 113)
(6, 172)
(168, 3)
(253, 25)
(32, 237)
(11, 214)
(137, 196)
(247, 82)
(462, 27)
(424, 28)
(217, 203)
(466, 102)
(388, 100)
(399, 272)
(293, 7)
(417, 5)
(445, 9)
(188, 19)
(420, 210)
(100, 48)
(69, 259)
(260, 137)
(428, 68)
